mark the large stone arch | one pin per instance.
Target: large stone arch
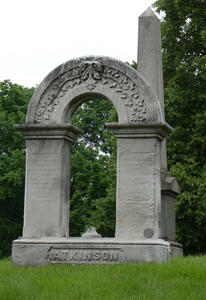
(49, 134)
(72, 82)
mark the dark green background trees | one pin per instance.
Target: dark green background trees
(94, 154)
(184, 65)
(93, 174)
(14, 100)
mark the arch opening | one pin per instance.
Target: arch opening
(81, 100)
(93, 167)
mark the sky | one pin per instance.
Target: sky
(39, 35)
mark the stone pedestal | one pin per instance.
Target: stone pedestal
(138, 195)
(44, 251)
(47, 179)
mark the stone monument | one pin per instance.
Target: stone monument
(145, 193)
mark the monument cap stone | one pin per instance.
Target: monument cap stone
(148, 13)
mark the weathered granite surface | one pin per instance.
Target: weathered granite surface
(91, 234)
(145, 195)
(78, 80)
(47, 179)
(138, 194)
(94, 251)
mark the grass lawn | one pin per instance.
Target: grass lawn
(182, 278)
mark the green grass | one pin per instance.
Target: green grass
(182, 278)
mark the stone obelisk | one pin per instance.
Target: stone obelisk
(149, 62)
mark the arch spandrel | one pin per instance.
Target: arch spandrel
(90, 77)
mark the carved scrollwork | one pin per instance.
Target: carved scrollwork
(91, 74)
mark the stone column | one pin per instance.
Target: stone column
(138, 195)
(149, 52)
(149, 62)
(47, 179)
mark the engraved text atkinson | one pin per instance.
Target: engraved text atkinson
(55, 255)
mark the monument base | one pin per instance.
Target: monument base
(42, 251)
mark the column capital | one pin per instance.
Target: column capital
(54, 131)
(160, 130)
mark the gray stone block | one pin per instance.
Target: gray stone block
(38, 252)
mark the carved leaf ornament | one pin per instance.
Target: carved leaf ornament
(90, 74)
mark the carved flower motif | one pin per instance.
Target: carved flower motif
(91, 71)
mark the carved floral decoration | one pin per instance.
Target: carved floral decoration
(90, 74)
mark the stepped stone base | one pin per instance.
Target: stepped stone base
(44, 251)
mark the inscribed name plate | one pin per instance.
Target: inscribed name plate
(84, 255)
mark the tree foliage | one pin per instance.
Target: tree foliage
(184, 64)
(93, 174)
(14, 100)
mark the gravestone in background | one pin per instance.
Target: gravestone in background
(145, 194)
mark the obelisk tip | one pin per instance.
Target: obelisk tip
(148, 13)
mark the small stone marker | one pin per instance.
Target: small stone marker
(91, 234)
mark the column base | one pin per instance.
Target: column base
(44, 251)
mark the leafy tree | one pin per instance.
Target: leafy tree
(93, 179)
(13, 105)
(184, 62)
